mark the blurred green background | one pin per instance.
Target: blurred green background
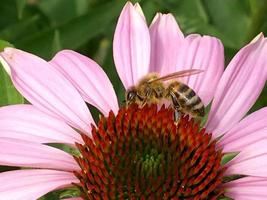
(44, 27)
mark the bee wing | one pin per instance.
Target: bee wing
(178, 74)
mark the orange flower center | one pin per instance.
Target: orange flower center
(142, 154)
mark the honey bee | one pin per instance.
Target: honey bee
(153, 89)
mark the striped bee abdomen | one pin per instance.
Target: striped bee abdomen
(188, 100)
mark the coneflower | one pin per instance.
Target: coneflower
(133, 152)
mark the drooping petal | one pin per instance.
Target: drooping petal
(247, 188)
(46, 88)
(205, 53)
(166, 40)
(248, 131)
(28, 123)
(88, 78)
(131, 45)
(32, 184)
(239, 87)
(14, 152)
(251, 161)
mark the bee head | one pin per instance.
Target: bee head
(131, 95)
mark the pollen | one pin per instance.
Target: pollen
(141, 153)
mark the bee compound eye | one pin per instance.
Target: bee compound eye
(131, 95)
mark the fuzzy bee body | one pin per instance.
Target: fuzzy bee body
(153, 89)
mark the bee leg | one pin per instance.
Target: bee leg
(176, 107)
(143, 103)
(147, 95)
(176, 116)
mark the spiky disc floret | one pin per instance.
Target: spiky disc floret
(142, 154)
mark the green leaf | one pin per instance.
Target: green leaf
(230, 17)
(64, 147)
(150, 8)
(71, 192)
(205, 118)
(61, 11)
(4, 44)
(109, 68)
(261, 101)
(192, 9)
(256, 4)
(74, 33)
(17, 30)
(20, 7)
(62, 194)
(8, 13)
(189, 9)
(227, 157)
(197, 26)
(9, 95)
(258, 19)
(56, 45)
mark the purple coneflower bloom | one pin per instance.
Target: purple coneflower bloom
(136, 153)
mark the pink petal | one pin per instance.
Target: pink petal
(14, 152)
(239, 87)
(131, 46)
(32, 184)
(138, 9)
(88, 78)
(46, 88)
(247, 188)
(206, 53)
(28, 123)
(248, 131)
(166, 39)
(251, 161)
